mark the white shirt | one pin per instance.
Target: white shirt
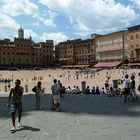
(127, 83)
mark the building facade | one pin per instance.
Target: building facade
(112, 47)
(76, 52)
(134, 44)
(25, 53)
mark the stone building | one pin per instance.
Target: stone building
(134, 44)
(25, 53)
(112, 48)
(76, 52)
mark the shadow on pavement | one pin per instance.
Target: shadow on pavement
(28, 128)
(77, 104)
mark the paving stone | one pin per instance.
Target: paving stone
(83, 118)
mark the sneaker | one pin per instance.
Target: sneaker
(19, 125)
(13, 129)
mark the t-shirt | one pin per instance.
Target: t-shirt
(127, 83)
(132, 85)
(17, 94)
(55, 89)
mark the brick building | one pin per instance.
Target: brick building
(25, 53)
(134, 44)
(76, 52)
(112, 48)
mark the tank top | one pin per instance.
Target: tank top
(17, 95)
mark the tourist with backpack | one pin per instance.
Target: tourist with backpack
(38, 92)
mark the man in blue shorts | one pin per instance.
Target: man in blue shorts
(15, 98)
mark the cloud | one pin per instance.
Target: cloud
(29, 32)
(136, 3)
(93, 15)
(52, 14)
(49, 22)
(8, 26)
(57, 37)
(20, 7)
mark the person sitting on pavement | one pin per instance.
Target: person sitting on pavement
(102, 91)
(73, 90)
(77, 91)
(87, 90)
(97, 90)
(111, 92)
(93, 90)
(68, 90)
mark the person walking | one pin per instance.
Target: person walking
(55, 96)
(15, 98)
(60, 88)
(133, 87)
(127, 88)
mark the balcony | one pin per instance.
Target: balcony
(110, 58)
(106, 49)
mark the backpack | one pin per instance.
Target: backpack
(34, 89)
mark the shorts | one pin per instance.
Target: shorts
(56, 99)
(16, 107)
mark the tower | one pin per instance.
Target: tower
(21, 33)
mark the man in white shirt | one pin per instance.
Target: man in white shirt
(127, 88)
(55, 96)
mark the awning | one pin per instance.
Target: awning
(107, 64)
(75, 66)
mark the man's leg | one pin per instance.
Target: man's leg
(131, 94)
(125, 95)
(13, 114)
(19, 117)
(19, 113)
(135, 94)
(13, 118)
(53, 103)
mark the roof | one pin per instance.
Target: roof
(133, 26)
(108, 64)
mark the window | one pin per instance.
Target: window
(137, 36)
(131, 46)
(131, 37)
(132, 54)
(137, 45)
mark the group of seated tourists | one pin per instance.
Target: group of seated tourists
(74, 90)
(94, 91)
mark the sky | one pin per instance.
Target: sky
(61, 20)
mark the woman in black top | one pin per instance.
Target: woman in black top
(133, 87)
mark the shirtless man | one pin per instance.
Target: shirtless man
(15, 98)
